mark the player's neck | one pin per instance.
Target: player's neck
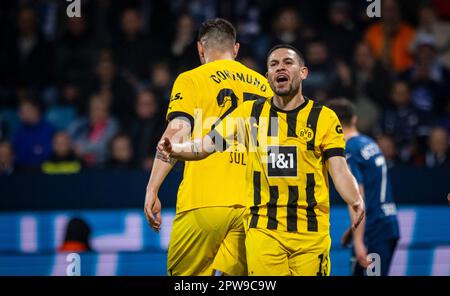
(216, 56)
(350, 132)
(287, 103)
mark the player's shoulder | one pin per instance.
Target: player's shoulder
(185, 80)
(359, 142)
(326, 115)
(186, 75)
(325, 110)
(364, 139)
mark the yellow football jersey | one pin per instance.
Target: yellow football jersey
(286, 162)
(204, 95)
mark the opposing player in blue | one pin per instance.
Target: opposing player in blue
(380, 231)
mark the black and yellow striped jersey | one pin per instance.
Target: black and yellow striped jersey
(287, 153)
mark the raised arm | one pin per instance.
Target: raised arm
(220, 138)
(347, 187)
(190, 150)
(177, 130)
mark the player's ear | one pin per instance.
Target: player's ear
(304, 72)
(201, 50)
(236, 49)
(267, 75)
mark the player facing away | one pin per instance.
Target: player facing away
(208, 232)
(292, 142)
(379, 231)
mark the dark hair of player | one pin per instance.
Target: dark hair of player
(301, 59)
(344, 109)
(218, 33)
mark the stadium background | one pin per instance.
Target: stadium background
(82, 104)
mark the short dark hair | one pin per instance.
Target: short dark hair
(219, 30)
(344, 109)
(301, 59)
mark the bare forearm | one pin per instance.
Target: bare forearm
(358, 233)
(344, 181)
(347, 187)
(175, 131)
(159, 172)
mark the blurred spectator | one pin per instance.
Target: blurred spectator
(75, 54)
(29, 55)
(2, 128)
(121, 152)
(200, 10)
(146, 129)
(438, 153)
(77, 237)
(401, 121)
(389, 149)
(131, 49)
(33, 140)
(109, 83)
(442, 8)
(429, 24)
(288, 28)
(161, 79)
(63, 159)
(444, 121)
(370, 79)
(323, 78)
(370, 84)
(249, 14)
(428, 77)
(92, 134)
(70, 95)
(391, 38)
(341, 35)
(184, 46)
(6, 159)
(250, 62)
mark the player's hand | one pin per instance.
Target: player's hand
(347, 237)
(152, 211)
(358, 213)
(165, 149)
(361, 254)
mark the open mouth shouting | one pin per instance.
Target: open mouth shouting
(281, 79)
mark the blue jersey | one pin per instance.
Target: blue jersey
(368, 165)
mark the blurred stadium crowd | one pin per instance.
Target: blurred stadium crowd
(92, 92)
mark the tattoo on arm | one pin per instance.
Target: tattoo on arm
(171, 160)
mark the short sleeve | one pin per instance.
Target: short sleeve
(333, 143)
(182, 99)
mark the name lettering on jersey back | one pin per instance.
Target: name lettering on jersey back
(389, 209)
(369, 151)
(236, 76)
